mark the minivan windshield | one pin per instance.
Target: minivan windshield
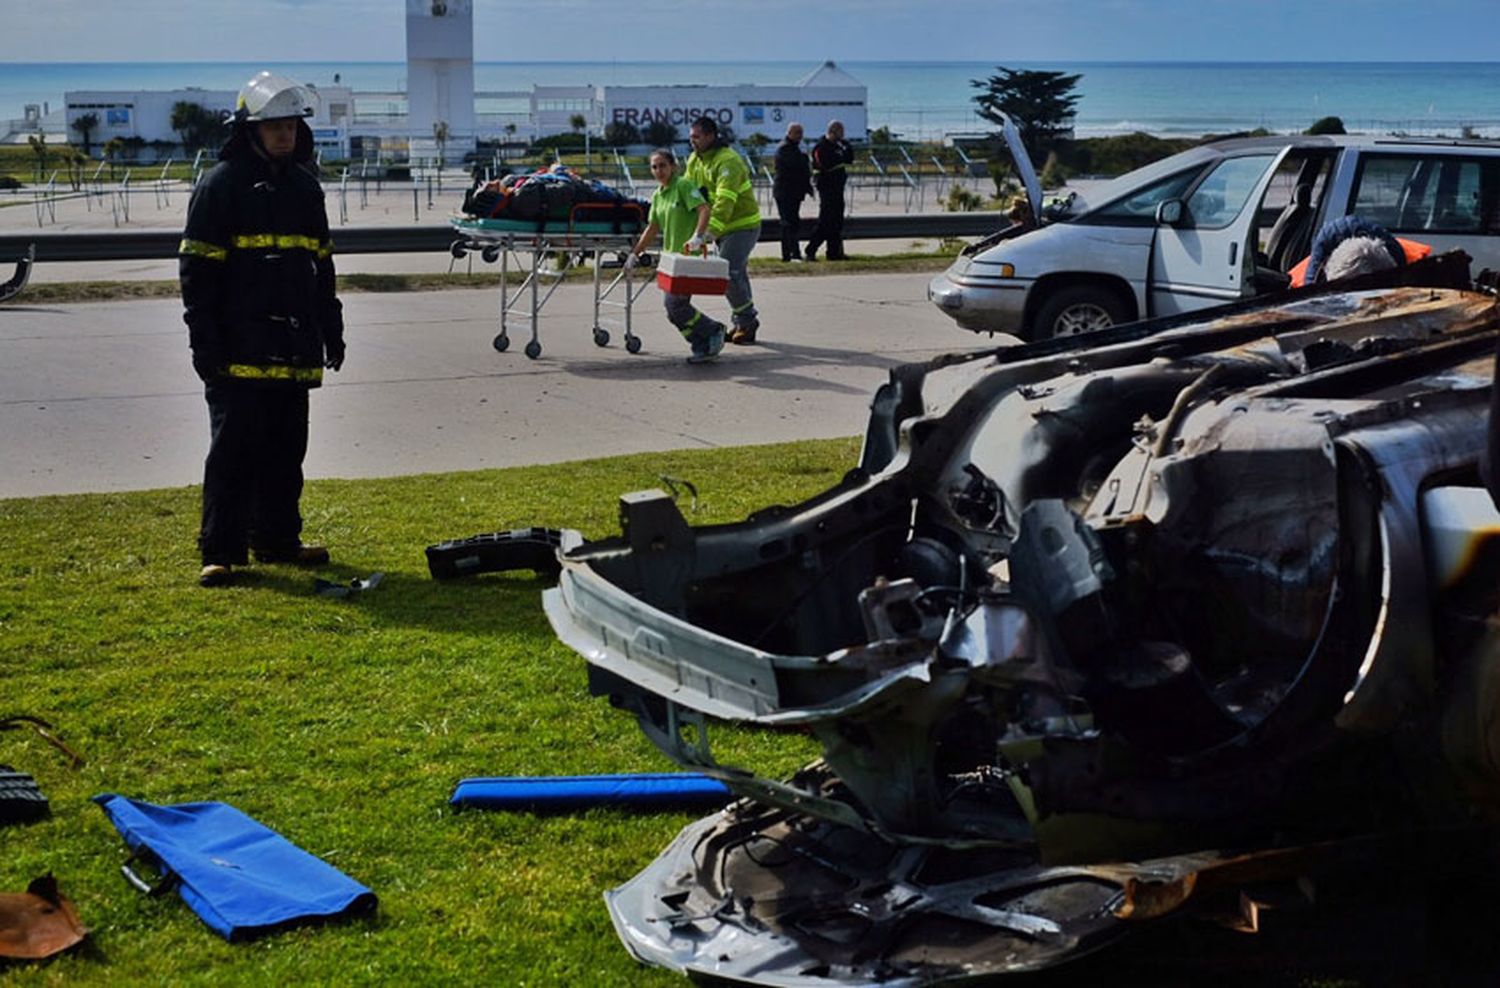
(1138, 206)
(1136, 193)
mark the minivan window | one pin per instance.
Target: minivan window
(1221, 196)
(1139, 207)
(1428, 194)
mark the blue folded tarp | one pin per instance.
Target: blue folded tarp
(576, 792)
(239, 876)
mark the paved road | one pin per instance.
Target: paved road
(100, 397)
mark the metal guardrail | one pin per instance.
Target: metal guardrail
(148, 245)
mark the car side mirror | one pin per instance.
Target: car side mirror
(1169, 212)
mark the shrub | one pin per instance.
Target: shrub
(1116, 155)
(1327, 125)
(621, 134)
(1000, 173)
(659, 133)
(961, 200)
(568, 140)
(1053, 175)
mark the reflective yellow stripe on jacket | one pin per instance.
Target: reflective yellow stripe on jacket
(255, 241)
(275, 372)
(733, 195)
(731, 191)
(282, 241)
(201, 248)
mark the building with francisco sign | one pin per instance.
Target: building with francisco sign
(827, 93)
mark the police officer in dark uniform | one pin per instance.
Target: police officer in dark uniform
(792, 184)
(263, 321)
(831, 158)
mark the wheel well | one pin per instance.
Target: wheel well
(1044, 286)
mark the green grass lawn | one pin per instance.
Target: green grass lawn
(344, 723)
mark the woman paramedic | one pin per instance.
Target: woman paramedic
(680, 214)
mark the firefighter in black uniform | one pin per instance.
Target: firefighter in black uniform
(263, 321)
(831, 158)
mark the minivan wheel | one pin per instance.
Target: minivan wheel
(1078, 309)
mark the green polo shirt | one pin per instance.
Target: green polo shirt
(674, 209)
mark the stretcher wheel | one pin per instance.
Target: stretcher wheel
(490, 254)
(632, 344)
(533, 349)
(502, 342)
(601, 336)
(457, 249)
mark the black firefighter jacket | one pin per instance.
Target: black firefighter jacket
(257, 273)
(793, 179)
(830, 161)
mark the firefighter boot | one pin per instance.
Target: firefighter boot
(215, 575)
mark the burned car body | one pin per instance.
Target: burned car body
(1096, 625)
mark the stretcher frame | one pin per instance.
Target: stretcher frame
(534, 253)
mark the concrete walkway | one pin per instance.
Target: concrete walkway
(101, 397)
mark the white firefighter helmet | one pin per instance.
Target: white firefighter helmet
(269, 96)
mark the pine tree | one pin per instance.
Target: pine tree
(1040, 104)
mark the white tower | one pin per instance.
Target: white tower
(440, 75)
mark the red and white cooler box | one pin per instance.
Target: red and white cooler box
(683, 274)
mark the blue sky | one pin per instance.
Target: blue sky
(752, 30)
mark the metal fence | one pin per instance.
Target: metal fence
(883, 174)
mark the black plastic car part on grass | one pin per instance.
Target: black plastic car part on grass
(12, 287)
(1096, 626)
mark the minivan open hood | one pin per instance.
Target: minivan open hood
(1023, 165)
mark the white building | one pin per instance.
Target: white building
(441, 90)
(827, 93)
(147, 116)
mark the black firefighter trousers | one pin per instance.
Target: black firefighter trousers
(789, 209)
(252, 479)
(830, 224)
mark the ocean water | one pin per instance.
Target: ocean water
(928, 99)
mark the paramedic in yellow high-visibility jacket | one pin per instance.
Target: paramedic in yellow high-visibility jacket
(734, 217)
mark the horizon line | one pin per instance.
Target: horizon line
(776, 61)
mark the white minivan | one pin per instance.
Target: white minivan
(1215, 224)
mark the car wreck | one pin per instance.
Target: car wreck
(1098, 628)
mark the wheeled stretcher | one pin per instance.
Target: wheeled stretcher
(544, 250)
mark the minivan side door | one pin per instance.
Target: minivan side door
(1207, 258)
